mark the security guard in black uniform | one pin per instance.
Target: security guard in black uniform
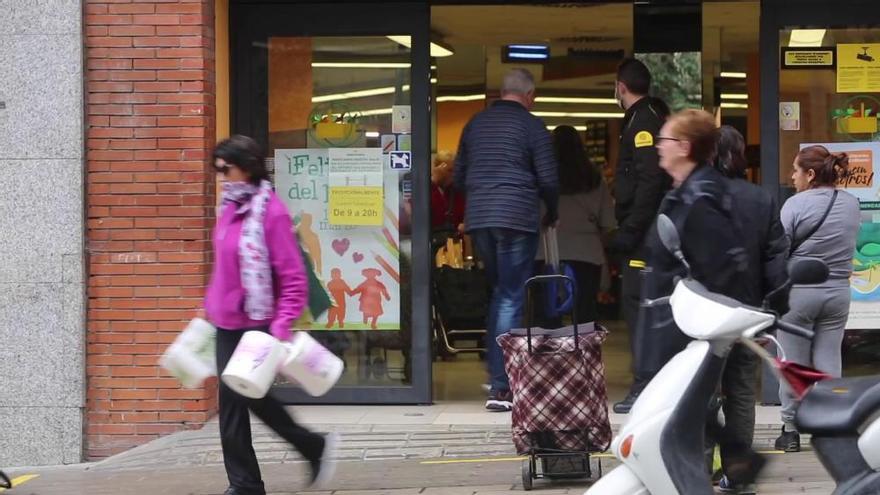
(639, 186)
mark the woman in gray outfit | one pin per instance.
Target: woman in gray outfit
(586, 215)
(822, 222)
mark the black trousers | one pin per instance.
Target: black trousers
(738, 388)
(630, 298)
(239, 457)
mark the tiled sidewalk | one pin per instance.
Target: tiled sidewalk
(370, 433)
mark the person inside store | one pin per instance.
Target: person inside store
(639, 186)
(767, 245)
(447, 204)
(259, 283)
(714, 240)
(821, 222)
(586, 217)
(506, 168)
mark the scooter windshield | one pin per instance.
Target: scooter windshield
(705, 315)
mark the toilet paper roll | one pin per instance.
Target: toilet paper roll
(310, 365)
(191, 357)
(254, 364)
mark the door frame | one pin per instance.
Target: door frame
(254, 22)
(775, 16)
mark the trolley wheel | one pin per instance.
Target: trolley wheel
(527, 474)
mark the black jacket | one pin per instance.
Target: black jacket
(639, 182)
(730, 234)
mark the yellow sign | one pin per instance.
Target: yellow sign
(809, 58)
(355, 205)
(643, 139)
(858, 68)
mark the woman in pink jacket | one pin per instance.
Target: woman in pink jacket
(258, 283)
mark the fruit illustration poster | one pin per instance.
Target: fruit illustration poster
(861, 183)
(358, 264)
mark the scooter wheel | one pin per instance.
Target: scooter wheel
(527, 475)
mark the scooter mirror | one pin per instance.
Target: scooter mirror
(668, 234)
(807, 271)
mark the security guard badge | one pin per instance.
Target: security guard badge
(644, 138)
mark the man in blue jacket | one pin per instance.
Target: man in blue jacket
(505, 166)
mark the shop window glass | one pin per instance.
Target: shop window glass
(340, 144)
(829, 94)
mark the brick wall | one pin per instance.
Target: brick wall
(150, 195)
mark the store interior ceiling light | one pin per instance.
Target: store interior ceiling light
(567, 99)
(360, 65)
(437, 50)
(734, 105)
(378, 111)
(734, 75)
(362, 93)
(576, 127)
(581, 115)
(734, 96)
(371, 134)
(441, 99)
(806, 37)
(356, 94)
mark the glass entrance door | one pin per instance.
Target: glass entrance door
(338, 96)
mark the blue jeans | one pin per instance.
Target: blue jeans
(508, 256)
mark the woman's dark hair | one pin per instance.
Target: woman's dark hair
(731, 157)
(576, 172)
(828, 167)
(244, 153)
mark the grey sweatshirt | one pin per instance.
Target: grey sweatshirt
(835, 241)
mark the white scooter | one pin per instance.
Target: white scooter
(661, 445)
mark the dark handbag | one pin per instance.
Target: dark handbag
(796, 244)
(319, 299)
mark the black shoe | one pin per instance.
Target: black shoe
(240, 491)
(626, 404)
(499, 401)
(324, 466)
(788, 441)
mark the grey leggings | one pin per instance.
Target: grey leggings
(823, 310)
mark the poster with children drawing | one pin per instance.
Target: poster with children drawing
(358, 264)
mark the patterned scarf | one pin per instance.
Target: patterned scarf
(256, 272)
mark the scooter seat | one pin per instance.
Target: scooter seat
(839, 406)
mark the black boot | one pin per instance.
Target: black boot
(788, 441)
(626, 404)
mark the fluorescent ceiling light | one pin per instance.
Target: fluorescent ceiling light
(371, 134)
(806, 37)
(576, 127)
(734, 75)
(368, 113)
(566, 99)
(363, 93)
(734, 96)
(360, 65)
(586, 115)
(734, 105)
(461, 98)
(355, 94)
(436, 49)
